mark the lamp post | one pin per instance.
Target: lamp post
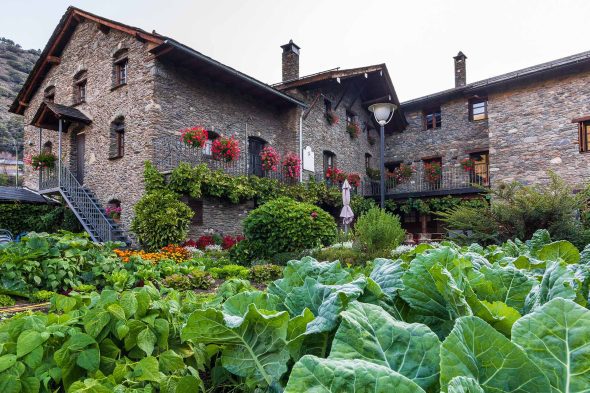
(383, 113)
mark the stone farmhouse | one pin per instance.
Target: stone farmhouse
(105, 97)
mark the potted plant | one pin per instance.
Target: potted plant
(353, 129)
(433, 172)
(270, 158)
(468, 164)
(225, 149)
(403, 173)
(354, 179)
(43, 161)
(194, 137)
(114, 212)
(373, 173)
(332, 118)
(292, 166)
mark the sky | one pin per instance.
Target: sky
(416, 39)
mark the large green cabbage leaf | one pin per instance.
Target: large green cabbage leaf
(475, 350)
(368, 332)
(464, 385)
(255, 349)
(560, 251)
(315, 375)
(558, 281)
(556, 338)
(324, 301)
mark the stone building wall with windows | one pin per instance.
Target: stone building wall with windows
(531, 131)
(453, 141)
(92, 49)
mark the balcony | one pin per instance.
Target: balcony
(453, 180)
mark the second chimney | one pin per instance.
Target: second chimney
(460, 70)
(290, 61)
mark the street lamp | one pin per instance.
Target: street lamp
(383, 113)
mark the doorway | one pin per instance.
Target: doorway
(80, 149)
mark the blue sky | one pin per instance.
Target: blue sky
(416, 39)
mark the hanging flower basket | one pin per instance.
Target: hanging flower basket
(433, 172)
(403, 173)
(225, 149)
(332, 118)
(335, 175)
(468, 164)
(270, 159)
(292, 166)
(353, 129)
(42, 161)
(195, 136)
(354, 179)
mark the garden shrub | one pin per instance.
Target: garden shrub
(346, 255)
(20, 217)
(229, 271)
(265, 273)
(284, 225)
(84, 288)
(42, 296)
(161, 219)
(378, 232)
(6, 301)
(517, 211)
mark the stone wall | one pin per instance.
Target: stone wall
(221, 216)
(92, 50)
(531, 131)
(321, 136)
(453, 141)
(187, 99)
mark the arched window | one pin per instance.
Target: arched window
(49, 94)
(117, 138)
(120, 60)
(368, 157)
(329, 160)
(47, 147)
(80, 87)
(207, 148)
(255, 146)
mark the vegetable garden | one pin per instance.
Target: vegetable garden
(436, 318)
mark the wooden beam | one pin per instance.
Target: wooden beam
(53, 59)
(22, 103)
(116, 26)
(342, 96)
(308, 111)
(104, 29)
(386, 98)
(360, 91)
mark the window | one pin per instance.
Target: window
(368, 157)
(328, 105)
(120, 68)
(80, 87)
(207, 147)
(481, 167)
(432, 119)
(478, 109)
(47, 147)
(117, 143)
(584, 136)
(329, 160)
(349, 118)
(49, 94)
(196, 206)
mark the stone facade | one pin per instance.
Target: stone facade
(221, 216)
(92, 50)
(452, 141)
(531, 131)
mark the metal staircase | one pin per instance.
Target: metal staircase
(83, 204)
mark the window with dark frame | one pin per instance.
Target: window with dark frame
(349, 117)
(49, 94)
(327, 105)
(584, 136)
(368, 157)
(80, 87)
(120, 63)
(117, 145)
(329, 160)
(478, 109)
(432, 119)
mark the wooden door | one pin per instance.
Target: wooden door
(80, 150)
(255, 146)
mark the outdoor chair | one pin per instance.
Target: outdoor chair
(5, 236)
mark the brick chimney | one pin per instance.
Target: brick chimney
(460, 70)
(290, 61)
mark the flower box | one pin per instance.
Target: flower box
(270, 159)
(195, 136)
(225, 149)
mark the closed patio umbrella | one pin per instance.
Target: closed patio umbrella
(346, 213)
